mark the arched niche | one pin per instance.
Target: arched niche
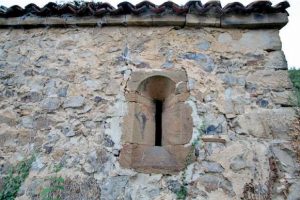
(158, 123)
(157, 87)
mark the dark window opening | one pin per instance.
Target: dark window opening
(158, 122)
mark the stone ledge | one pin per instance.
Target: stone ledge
(252, 21)
(200, 21)
(168, 159)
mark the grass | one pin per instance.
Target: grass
(14, 179)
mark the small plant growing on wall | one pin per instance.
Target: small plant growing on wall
(14, 179)
(182, 193)
(294, 75)
(52, 192)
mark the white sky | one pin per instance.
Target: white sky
(290, 34)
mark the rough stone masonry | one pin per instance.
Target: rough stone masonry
(66, 79)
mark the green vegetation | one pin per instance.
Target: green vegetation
(294, 75)
(53, 191)
(55, 187)
(57, 168)
(182, 193)
(14, 179)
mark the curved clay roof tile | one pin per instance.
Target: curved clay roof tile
(15, 11)
(49, 9)
(67, 9)
(145, 3)
(169, 4)
(260, 7)
(282, 6)
(32, 8)
(212, 8)
(193, 3)
(212, 4)
(196, 8)
(234, 8)
(158, 10)
(3, 10)
(85, 10)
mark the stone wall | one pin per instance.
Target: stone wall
(62, 99)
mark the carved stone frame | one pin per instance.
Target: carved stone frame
(139, 151)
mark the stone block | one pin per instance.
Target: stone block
(213, 182)
(233, 101)
(112, 88)
(246, 41)
(174, 99)
(136, 98)
(177, 124)
(231, 80)
(113, 20)
(41, 123)
(269, 79)
(168, 20)
(7, 135)
(276, 60)
(212, 167)
(238, 163)
(9, 117)
(50, 104)
(215, 124)
(253, 40)
(54, 21)
(139, 125)
(132, 20)
(82, 21)
(285, 98)
(203, 60)
(266, 123)
(154, 159)
(126, 154)
(21, 21)
(74, 102)
(255, 20)
(137, 77)
(202, 21)
(181, 153)
(285, 157)
(27, 122)
(114, 188)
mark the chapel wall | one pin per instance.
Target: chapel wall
(62, 96)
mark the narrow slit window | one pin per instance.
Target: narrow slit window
(158, 122)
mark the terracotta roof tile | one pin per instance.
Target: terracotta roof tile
(212, 8)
